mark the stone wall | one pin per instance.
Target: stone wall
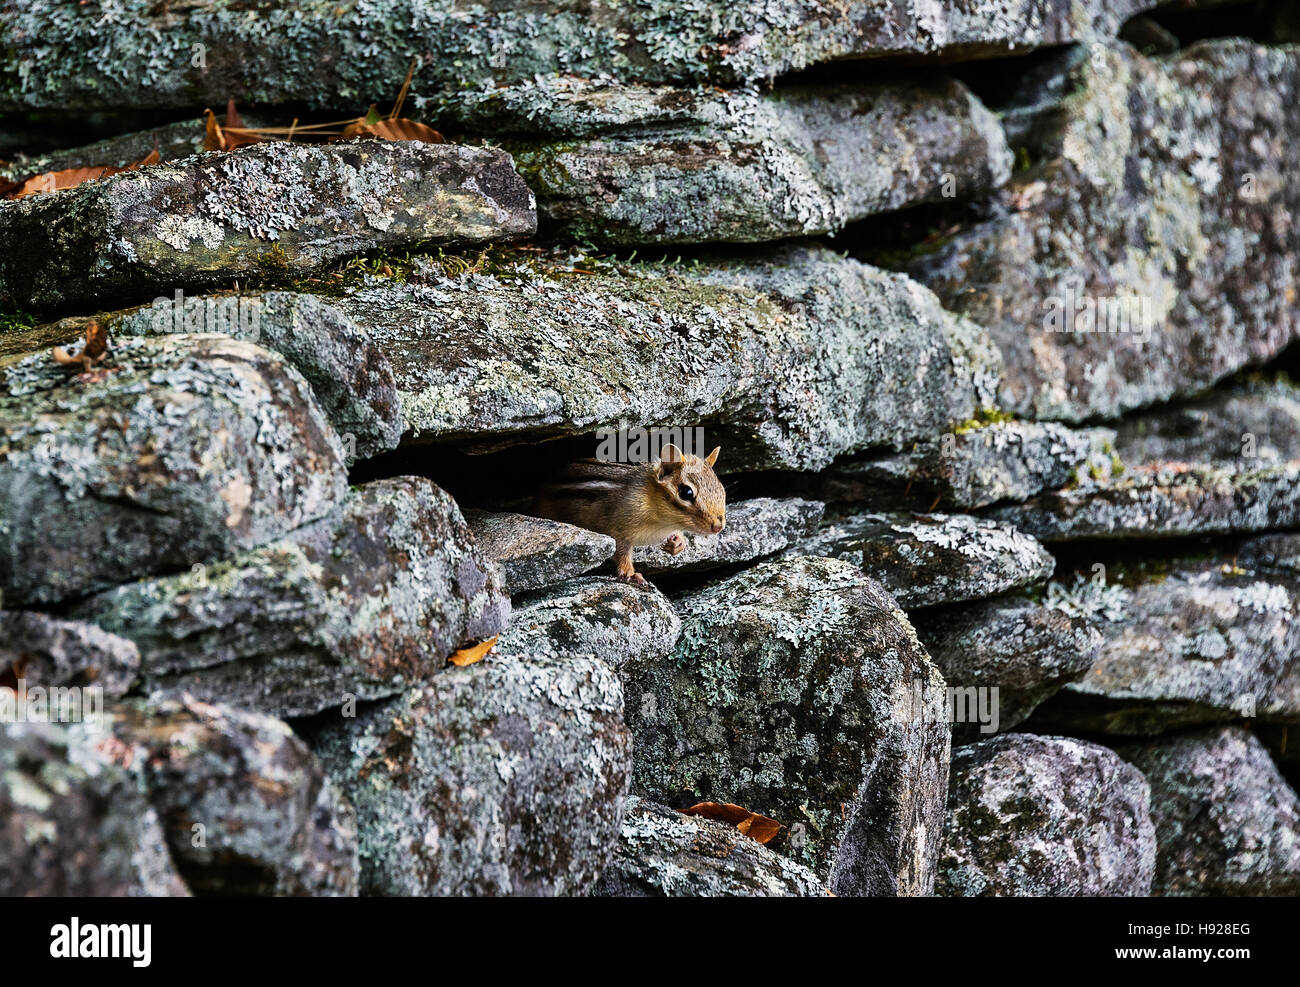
(990, 306)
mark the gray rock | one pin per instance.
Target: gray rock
(360, 605)
(928, 559)
(506, 777)
(1279, 552)
(664, 854)
(44, 651)
(179, 450)
(73, 824)
(349, 375)
(1227, 823)
(1183, 643)
(970, 467)
(535, 552)
(756, 527)
(798, 690)
(1164, 499)
(596, 617)
(211, 218)
(1046, 816)
(1013, 647)
(1170, 183)
(625, 164)
(339, 56)
(245, 804)
(1246, 426)
(794, 356)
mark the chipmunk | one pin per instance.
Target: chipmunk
(639, 503)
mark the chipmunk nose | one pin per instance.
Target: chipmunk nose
(719, 524)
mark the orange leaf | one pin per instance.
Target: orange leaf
(477, 652)
(393, 130)
(56, 181)
(234, 134)
(757, 827)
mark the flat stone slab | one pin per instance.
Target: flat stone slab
(213, 218)
(928, 559)
(618, 164)
(755, 527)
(1227, 823)
(1002, 657)
(662, 853)
(506, 777)
(1164, 499)
(798, 690)
(176, 451)
(343, 55)
(1165, 218)
(1046, 816)
(792, 356)
(360, 605)
(969, 467)
(1183, 643)
(536, 552)
(246, 807)
(1244, 426)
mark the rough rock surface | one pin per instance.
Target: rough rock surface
(970, 467)
(176, 451)
(801, 353)
(1046, 816)
(798, 690)
(332, 55)
(246, 806)
(1164, 499)
(211, 218)
(1184, 643)
(927, 559)
(664, 854)
(73, 824)
(1248, 425)
(535, 552)
(756, 527)
(597, 617)
(504, 777)
(1022, 649)
(614, 163)
(359, 605)
(1227, 823)
(1170, 185)
(45, 651)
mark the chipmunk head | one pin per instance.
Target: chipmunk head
(692, 488)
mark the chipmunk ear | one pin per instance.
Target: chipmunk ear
(670, 458)
(712, 457)
(670, 454)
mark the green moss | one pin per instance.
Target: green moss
(983, 418)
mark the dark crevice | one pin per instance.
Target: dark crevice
(1264, 21)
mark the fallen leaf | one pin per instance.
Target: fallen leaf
(398, 129)
(234, 134)
(476, 652)
(757, 827)
(57, 181)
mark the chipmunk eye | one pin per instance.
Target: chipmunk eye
(686, 493)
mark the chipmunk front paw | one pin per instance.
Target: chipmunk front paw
(674, 545)
(635, 578)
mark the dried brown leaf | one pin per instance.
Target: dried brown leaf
(393, 130)
(757, 827)
(57, 181)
